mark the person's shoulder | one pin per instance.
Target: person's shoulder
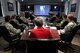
(7, 23)
(72, 23)
(34, 30)
(47, 29)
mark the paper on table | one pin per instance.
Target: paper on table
(53, 28)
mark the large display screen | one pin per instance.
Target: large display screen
(41, 9)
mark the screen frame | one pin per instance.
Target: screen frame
(42, 4)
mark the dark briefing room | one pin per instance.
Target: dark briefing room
(39, 26)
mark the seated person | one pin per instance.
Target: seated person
(40, 31)
(32, 16)
(19, 20)
(52, 18)
(69, 26)
(16, 24)
(23, 18)
(63, 23)
(11, 29)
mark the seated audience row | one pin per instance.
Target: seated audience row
(15, 27)
(40, 31)
(63, 23)
(10, 27)
(68, 27)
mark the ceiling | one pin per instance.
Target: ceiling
(41, 1)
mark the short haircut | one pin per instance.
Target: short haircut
(70, 17)
(13, 16)
(38, 21)
(7, 18)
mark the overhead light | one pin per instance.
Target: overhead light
(55, 7)
(68, 0)
(28, 6)
(62, 0)
(22, 0)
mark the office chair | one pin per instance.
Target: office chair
(67, 38)
(7, 36)
(42, 45)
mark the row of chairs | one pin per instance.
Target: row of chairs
(51, 45)
(34, 45)
(67, 38)
(12, 40)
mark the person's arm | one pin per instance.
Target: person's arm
(12, 29)
(62, 31)
(66, 28)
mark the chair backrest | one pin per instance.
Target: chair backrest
(70, 36)
(64, 24)
(5, 33)
(42, 45)
(75, 19)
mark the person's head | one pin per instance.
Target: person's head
(7, 18)
(70, 17)
(38, 21)
(13, 16)
(64, 16)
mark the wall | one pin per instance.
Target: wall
(78, 19)
(66, 9)
(5, 7)
(18, 8)
(77, 12)
(40, 1)
(74, 2)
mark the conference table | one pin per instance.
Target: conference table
(53, 30)
(50, 45)
(55, 33)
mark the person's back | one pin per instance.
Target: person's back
(40, 32)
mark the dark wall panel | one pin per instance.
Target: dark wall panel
(41, 1)
(0, 10)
